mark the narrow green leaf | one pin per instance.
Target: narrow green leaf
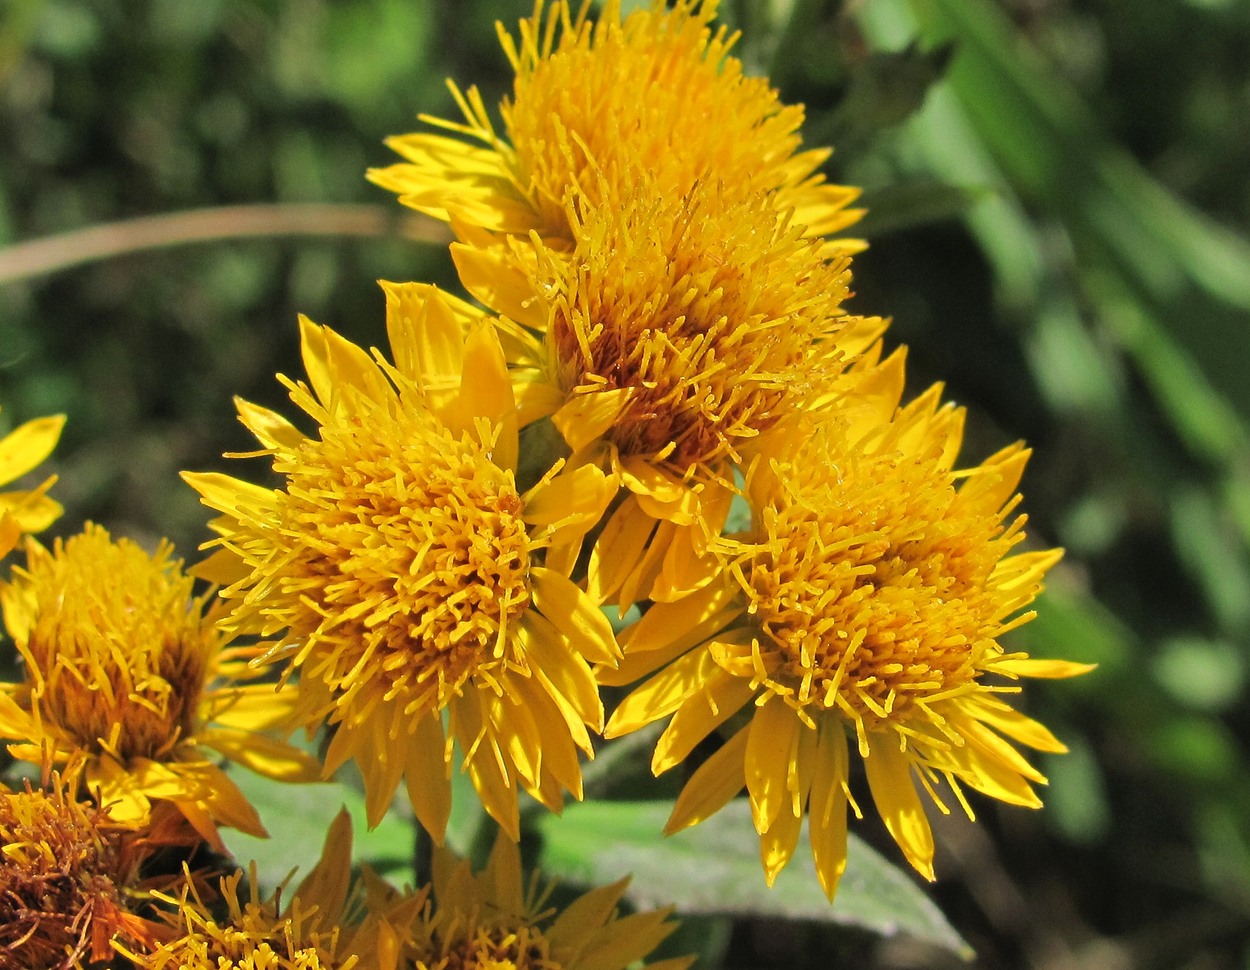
(917, 202)
(714, 868)
(882, 91)
(1179, 284)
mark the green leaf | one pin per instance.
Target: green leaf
(1205, 675)
(883, 90)
(714, 869)
(1179, 265)
(298, 817)
(1211, 550)
(918, 202)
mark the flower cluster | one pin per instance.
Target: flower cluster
(650, 240)
(461, 919)
(658, 405)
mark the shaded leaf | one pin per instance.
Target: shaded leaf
(882, 91)
(714, 869)
(904, 205)
(298, 817)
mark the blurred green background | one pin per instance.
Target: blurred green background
(1059, 201)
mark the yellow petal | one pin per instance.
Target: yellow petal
(381, 759)
(484, 763)
(586, 417)
(575, 615)
(662, 495)
(327, 883)
(263, 755)
(10, 532)
(568, 674)
(334, 363)
(770, 751)
(15, 722)
(230, 495)
(25, 447)
(723, 697)
(426, 336)
(499, 284)
(684, 570)
(626, 941)
(584, 917)
(270, 428)
(223, 567)
(536, 397)
(662, 694)
(826, 814)
(562, 730)
(617, 551)
(513, 725)
(777, 845)
(1015, 725)
(716, 781)
(994, 482)
(641, 579)
(452, 180)
(894, 793)
(1030, 667)
(30, 511)
(689, 620)
(504, 870)
(581, 495)
(987, 773)
(428, 776)
(994, 747)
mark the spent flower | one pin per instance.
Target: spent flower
(69, 880)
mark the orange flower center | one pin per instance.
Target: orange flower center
(117, 645)
(870, 587)
(409, 545)
(717, 318)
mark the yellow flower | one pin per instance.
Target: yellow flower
(648, 213)
(400, 569)
(67, 880)
(865, 603)
(594, 107)
(489, 921)
(21, 451)
(258, 934)
(677, 332)
(124, 672)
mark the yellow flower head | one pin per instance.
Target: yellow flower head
(492, 921)
(67, 878)
(122, 670)
(256, 934)
(866, 603)
(595, 106)
(21, 451)
(400, 568)
(647, 211)
(678, 330)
